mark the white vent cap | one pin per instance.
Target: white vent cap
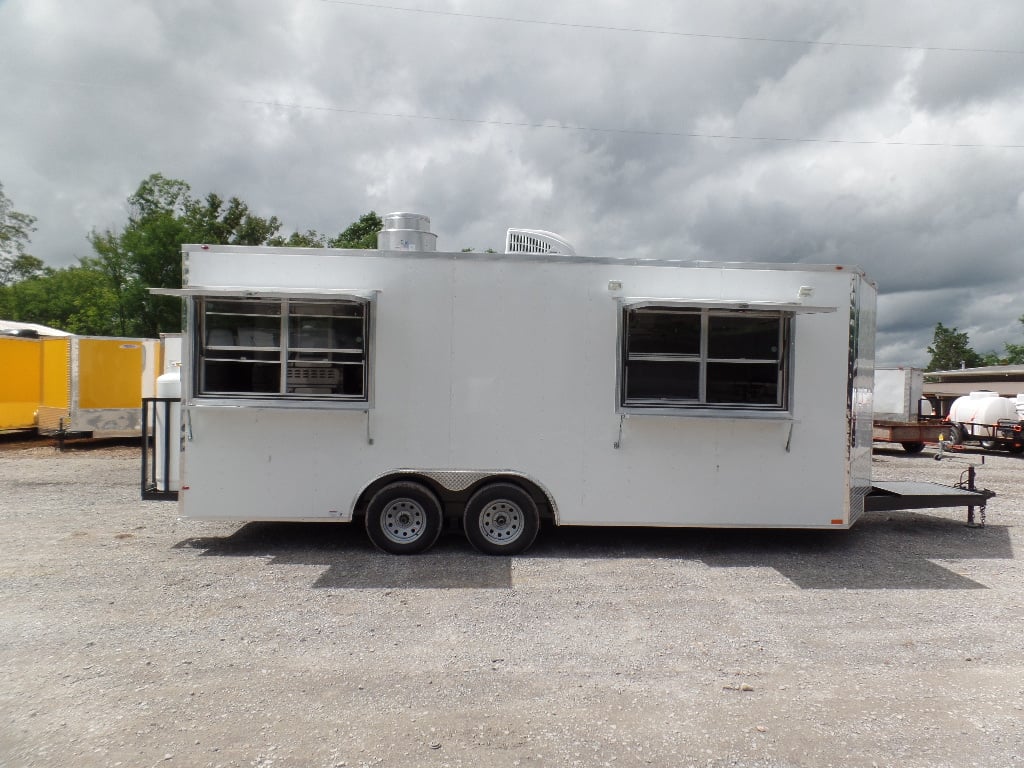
(537, 241)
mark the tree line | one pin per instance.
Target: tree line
(107, 293)
(952, 349)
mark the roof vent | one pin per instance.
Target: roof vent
(537, 241)
(406, 232)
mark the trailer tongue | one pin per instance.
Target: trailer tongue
(910, 494)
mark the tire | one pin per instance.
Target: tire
(501, 519)
(913, 447)
(956, 434)
(1015, 448)
(404, 518)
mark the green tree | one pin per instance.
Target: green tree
(163, 216)
(108, 294)
(308, 239)
(1015, 352)
(16, 230)
(951, 349)
(359, 234)
(76, 299)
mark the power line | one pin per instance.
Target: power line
(577, 128)
(671, 33)
(628, 131)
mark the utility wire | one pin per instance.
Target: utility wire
(571, 127)
(671, 33)
(629, 131)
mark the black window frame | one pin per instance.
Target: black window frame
(257, 339)
(688, 371)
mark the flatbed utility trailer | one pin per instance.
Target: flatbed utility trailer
(405, 387)
(994, 422)
(911, 435)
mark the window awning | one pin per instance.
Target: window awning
(641, 302)
(238, 292)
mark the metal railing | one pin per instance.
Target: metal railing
(154, 409)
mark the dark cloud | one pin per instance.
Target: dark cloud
(283, 103)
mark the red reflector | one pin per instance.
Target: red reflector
(837, 522)
(1016, 427)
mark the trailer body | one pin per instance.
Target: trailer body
(20, 382)
(897, 394)
(613, 391)
(95, 384)
(898, 414)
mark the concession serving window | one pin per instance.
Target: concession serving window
(679, 355)
(278, 346)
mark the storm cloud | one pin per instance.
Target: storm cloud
(889, 136)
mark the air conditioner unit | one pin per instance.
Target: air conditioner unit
(537, 241)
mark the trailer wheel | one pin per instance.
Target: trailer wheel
(956, 434)
(501, 519)
(913, 447)
(403, 518)
(1015, 448)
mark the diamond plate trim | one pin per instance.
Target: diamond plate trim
(456, 480)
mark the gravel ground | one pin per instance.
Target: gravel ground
(130, 638)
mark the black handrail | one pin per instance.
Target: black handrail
(150, 489)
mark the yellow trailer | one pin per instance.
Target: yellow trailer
(21, 383)
(93, 384)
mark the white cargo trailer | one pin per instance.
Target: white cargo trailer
(405, 387)
(898, 410)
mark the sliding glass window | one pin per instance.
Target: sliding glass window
(678, 357)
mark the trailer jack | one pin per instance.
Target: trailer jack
(966, 482)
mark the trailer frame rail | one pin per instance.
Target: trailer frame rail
(892, 495)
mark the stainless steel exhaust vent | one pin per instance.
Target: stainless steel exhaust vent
(406, 232)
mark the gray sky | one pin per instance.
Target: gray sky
(603, 121)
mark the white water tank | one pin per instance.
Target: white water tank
(167, 428)
(982, 408)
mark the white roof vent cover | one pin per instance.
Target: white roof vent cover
(537, 241)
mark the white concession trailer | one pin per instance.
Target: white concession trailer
(406, 387)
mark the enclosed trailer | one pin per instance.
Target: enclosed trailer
(20, 382)
(612, 391)
(95, 384)
(405, 386)
(898, 410)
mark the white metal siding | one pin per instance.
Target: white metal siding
(510, 364)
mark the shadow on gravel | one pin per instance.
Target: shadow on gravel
(352, 562)
(19, 441)
(973, 451)
(893, 550)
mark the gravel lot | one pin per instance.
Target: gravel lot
(130, 638)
